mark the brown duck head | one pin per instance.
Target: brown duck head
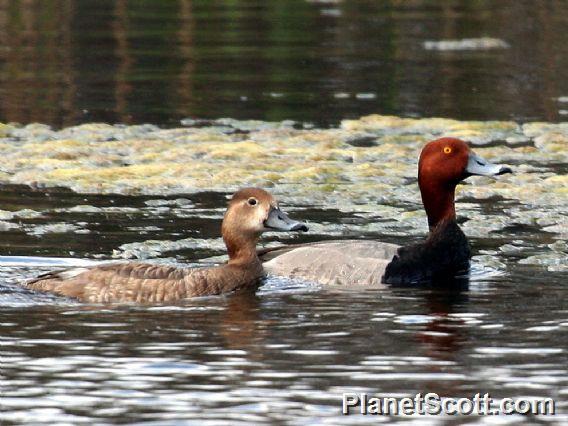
(251, 212)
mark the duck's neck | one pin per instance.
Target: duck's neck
(438, 200)
(242, 249)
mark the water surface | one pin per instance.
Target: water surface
(285, 354)
(77, 61)
(157, 192)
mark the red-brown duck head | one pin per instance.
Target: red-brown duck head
(443, 164)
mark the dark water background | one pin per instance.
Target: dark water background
(68, 62)
(286, 354)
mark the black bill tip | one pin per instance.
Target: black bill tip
(300, 227)
(503, 170)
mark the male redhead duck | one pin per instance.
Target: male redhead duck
(251, 211)
(445, 253)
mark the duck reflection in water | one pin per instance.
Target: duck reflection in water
(241, 324)
(444, 336)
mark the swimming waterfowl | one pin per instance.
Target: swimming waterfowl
(251, 211)
(445, 253)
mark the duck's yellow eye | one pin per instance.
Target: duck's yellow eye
(447, 150)
(252, 201)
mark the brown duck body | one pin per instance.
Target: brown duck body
(251, 211)
(147, 283)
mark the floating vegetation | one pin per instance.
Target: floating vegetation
(20, 214)
(56, 228)
(154, 248)
(482, 43)
(366, 166)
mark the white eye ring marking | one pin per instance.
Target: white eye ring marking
(252, 201)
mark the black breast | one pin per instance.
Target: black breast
(444, 255)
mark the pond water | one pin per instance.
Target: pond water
(288, 352)
(73, 192)
(77, 61)
(285, 354)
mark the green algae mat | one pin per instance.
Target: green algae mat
(365, 166)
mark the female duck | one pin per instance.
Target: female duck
(444, 254)
(251, 211)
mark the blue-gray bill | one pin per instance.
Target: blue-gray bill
(477, 165)
(277, 220)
